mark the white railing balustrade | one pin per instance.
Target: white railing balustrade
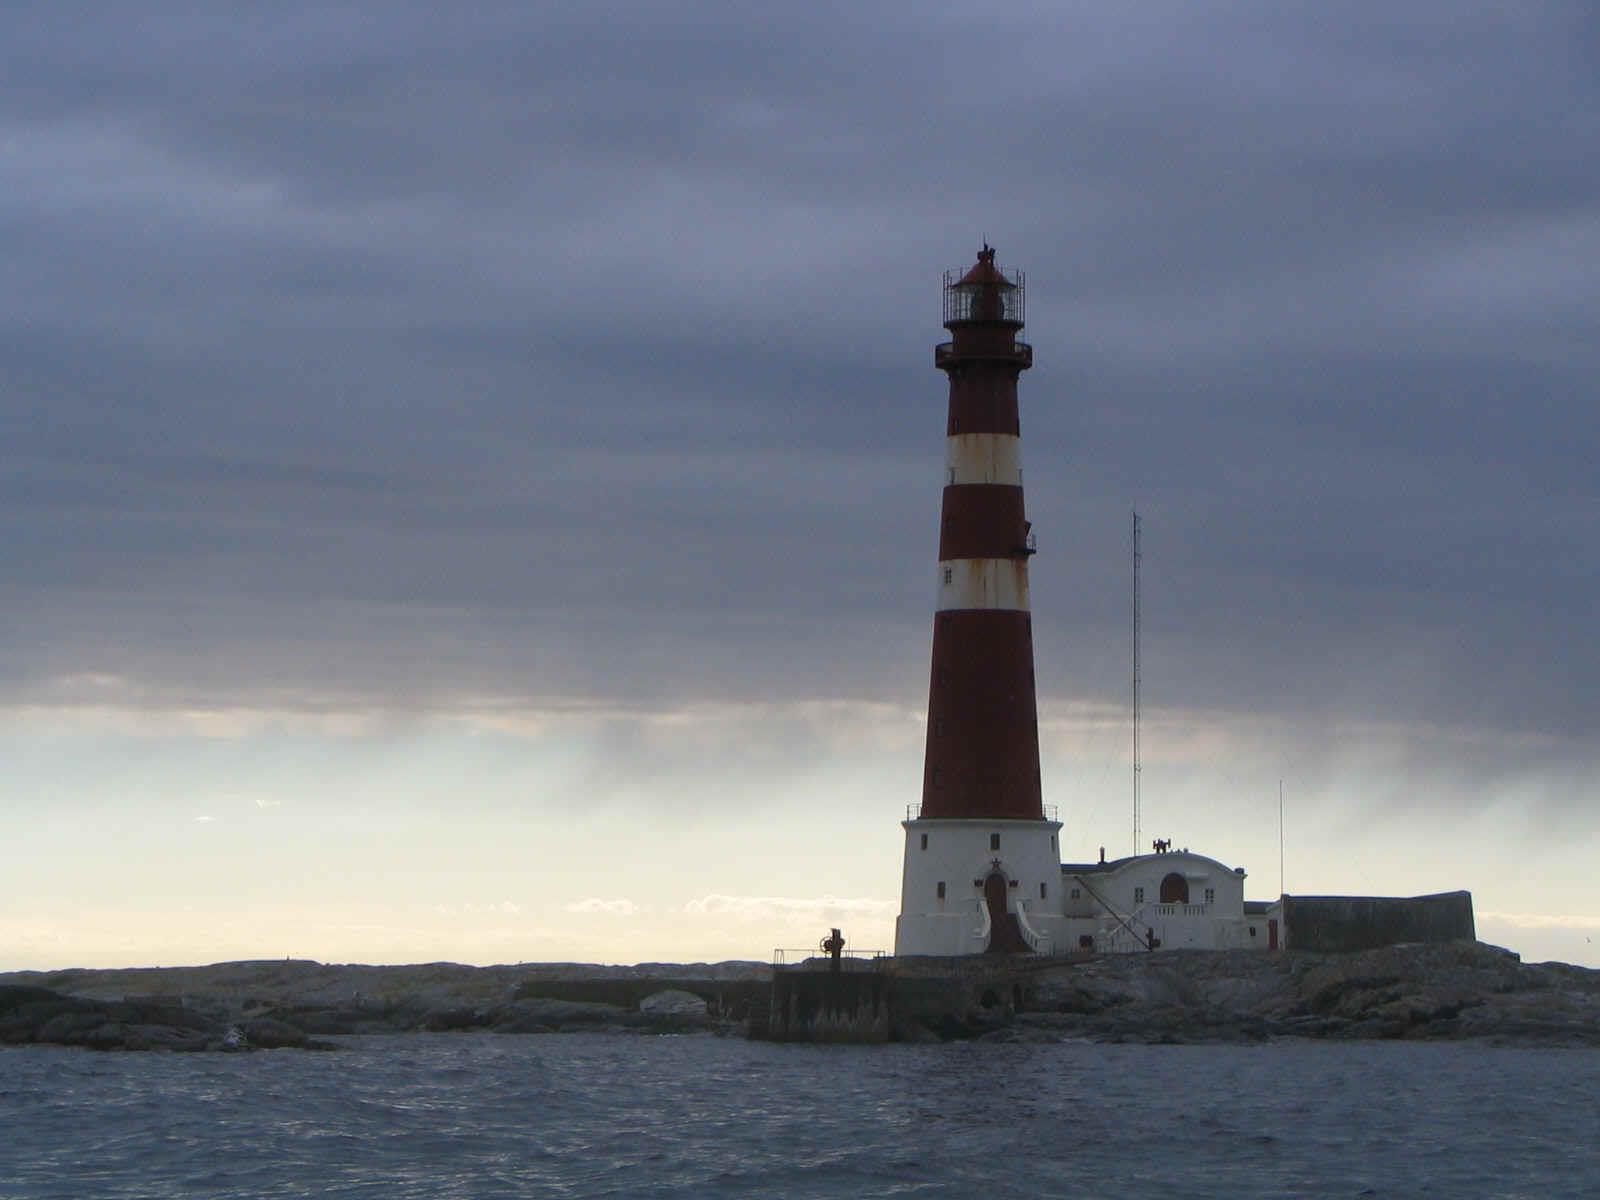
(1037, 942)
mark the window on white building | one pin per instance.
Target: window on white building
(1211, 895)
(1042, 891)
(994, 841)
(1077, 894)
(1138, 895)
(924, 841)
(941, 889)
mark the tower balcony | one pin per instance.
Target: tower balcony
(1019, 354)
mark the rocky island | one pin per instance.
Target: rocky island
(1437, 991)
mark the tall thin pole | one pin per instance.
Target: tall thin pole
(1280, 837)
(1138, 841)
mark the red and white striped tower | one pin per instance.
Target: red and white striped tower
(982, 862)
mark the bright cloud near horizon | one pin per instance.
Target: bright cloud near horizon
(470, 481)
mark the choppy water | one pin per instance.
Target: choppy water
(482, 1116)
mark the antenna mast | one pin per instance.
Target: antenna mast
(1137, 839)
(1280, 837)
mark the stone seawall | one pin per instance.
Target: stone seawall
(828, 1006)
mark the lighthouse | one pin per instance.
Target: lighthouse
(982, 862)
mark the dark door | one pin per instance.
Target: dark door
(1005, 935)
(994, 895)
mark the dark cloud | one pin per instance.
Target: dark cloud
(585, 350)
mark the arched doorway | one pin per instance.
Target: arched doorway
(1174, 889)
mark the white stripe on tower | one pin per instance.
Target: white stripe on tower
(983, 458)
(998, 583)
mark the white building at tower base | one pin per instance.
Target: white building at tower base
(969, 885)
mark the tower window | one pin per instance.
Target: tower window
(938, 727)
(948, 576)
(1138, 895)
(1077, 894)
(994, 841)
(1211, 895)
(1042, 892)
(924, 841)
(941, 889)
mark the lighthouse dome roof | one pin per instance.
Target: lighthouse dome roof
(985, 272)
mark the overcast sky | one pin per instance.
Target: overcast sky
(469, 485)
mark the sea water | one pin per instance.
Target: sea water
(591, 1115)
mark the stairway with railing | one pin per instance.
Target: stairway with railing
(1037, 942)
(1122, 934)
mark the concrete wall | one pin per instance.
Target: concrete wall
(828, 1006)
(1336, 924)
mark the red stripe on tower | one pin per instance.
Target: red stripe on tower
(983, 729)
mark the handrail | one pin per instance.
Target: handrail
(1134, 933)
(1052, 812)
(1018, 352)
(780, 955)
(1037, 942)
(984, 930)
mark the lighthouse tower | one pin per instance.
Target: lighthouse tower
(982, 864)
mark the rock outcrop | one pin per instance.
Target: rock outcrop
(35, 1014)
(1446, 990)
(292, 1004)
(1449, 990)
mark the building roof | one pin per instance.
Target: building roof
(1092, 868)
(1116, 864)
